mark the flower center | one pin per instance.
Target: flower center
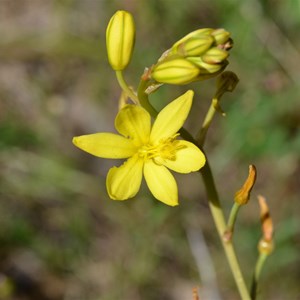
(164, 150)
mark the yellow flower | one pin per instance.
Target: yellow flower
(150, 150)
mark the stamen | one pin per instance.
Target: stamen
(166, 149)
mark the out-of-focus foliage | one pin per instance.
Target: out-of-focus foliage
(60, 235)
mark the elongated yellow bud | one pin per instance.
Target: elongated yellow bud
(221, 36)
(206, 68)
(175, 71)
(194, 46)
(195, 34)
(120, 38)
(215, 56)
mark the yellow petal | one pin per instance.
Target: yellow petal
(161, 183)
(124, 182)
(105, 145)
(171, 118)
(134, 122)
(189, 158)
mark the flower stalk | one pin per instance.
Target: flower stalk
(257, 271)
(265, 246)
(231, 221)
(200, 137)
(241, 198)
(144, 98)
(219, 220)
(149, 140)
(226, 82)
(127, 90)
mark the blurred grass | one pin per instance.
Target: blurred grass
(60, 235)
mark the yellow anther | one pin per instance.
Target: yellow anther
(164, 150)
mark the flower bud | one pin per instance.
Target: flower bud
(175, 71)
(221, 36)
(205, 68)
(193, 46)
(195, 34)
(120, 38)
(215, 56)
(198, 41)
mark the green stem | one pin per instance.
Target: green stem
(232, 217)
(206, 123)
(144, 99)
(216, 210)
(212, 194)
(126, 88)
(258, 267)
(220, 223)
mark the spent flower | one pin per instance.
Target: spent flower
(266, 244)
(150, 150)
(242, 196)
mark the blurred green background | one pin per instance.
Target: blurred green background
(61, 237)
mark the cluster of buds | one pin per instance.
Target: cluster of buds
(200, 55)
